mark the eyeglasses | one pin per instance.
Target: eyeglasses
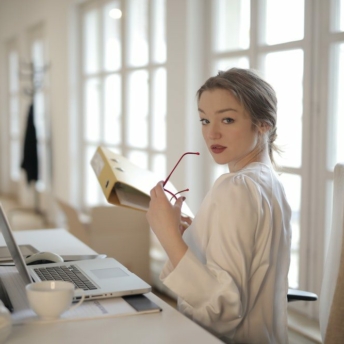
(167, 179)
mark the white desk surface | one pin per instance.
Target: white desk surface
(168, 326)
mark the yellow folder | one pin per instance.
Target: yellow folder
(124, 183)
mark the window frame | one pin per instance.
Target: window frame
(124, 72)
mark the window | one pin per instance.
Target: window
(123, 66)
(291, 57)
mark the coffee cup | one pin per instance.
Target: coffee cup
(50, 299)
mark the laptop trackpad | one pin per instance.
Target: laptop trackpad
(109, 273)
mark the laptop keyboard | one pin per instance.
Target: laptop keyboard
(65, 273)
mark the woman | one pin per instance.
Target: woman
(230, 267)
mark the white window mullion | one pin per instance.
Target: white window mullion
(151, 48)
(124, 74)
(310, 221)
(102, 75)
(256, 19)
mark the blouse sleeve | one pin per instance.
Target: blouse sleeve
(215, 293)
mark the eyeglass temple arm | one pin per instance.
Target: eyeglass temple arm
(175, 195)
(167, 179)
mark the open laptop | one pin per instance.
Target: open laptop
(106, 277)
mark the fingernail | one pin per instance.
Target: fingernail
(183, 198)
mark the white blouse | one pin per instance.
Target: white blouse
(233, 280)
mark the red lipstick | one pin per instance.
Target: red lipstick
(217, 149)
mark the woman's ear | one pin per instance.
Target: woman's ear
(263, 127)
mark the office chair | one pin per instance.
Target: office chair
(78, 224)
(118, 232)
(123, 234)
(301, 295)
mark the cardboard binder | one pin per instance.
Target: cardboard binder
(124, 183)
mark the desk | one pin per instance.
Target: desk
(168, 326)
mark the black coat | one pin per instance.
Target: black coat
(30, 156)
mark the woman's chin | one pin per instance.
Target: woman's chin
(220, 160)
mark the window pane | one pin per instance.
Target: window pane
(92, 110)
(337, 20)
(341, 15)
(112, 36)
(139, 158)
(159, 31)
(137, 128)
(284, 71)
(231, 24)
(284, 21)
(91, 42)
(112, 112)
(159, 110)
(336, 145)
(292, 186)
(159, 165)
(227, 63)
(137, 32)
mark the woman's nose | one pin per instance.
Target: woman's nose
(214, 132)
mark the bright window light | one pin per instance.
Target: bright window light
(115, 13)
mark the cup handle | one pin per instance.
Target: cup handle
(80, 301)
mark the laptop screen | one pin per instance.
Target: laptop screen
(12, 246)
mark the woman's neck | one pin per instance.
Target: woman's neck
(259, 154)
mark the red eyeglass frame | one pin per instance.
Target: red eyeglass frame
(167, 179)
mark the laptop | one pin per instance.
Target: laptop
(106, 277)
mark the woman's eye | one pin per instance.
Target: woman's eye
(228, 120)
(204, 121)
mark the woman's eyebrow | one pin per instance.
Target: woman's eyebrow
(220, 111)
(225, 110)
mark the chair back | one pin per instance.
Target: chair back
(331, 299)
(77, 227)
(123, 234)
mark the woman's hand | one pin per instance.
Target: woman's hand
(166, 222)
(184, 223)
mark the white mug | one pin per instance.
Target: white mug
(50, 299)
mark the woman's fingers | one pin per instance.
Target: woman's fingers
(157, 189)
(187, 219)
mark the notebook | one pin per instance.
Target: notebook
(107, 277)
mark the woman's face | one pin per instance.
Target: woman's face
(227, 129)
